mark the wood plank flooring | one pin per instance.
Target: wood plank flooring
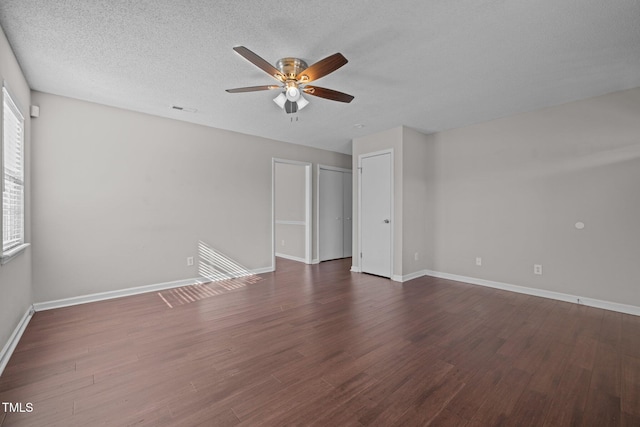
(318, 345)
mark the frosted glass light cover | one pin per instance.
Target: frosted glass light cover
(280, 100)
(302, 103)
(293, 94)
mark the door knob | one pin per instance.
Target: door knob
(386, 221)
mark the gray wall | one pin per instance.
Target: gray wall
(511, 190)
(293, 238)
(121, 199)
(15, 276)
(415, 203)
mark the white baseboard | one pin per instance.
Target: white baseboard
(102, 296)
(315, 261)
(591, 302)
(11, 344)
(407, 277)
(290, 257)
(355, 269)
(263, 270)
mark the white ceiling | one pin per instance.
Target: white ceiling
(428, 64)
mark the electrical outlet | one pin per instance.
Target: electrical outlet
(282, 242)
(190, 261)
(478, 261)
(537, 269)
(415, 256)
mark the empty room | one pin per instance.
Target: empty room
(359, 213)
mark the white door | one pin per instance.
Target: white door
(347, 208)
(330, 214)
(375, 214)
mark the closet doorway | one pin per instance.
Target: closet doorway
(334, 212)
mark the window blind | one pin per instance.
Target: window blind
(13, 174)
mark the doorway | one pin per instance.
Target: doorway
(291, 210)
(376, 213)
(335, 221)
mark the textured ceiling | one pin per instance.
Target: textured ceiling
(430, 64)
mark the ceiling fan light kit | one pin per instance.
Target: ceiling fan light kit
(280, 99)
(302, 102)
(293, 94)
(294, 74)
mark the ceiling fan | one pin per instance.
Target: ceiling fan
(294, 75)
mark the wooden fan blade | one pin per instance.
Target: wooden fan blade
(322, 68)
(331, 94)
(253, 88)
(260, 63)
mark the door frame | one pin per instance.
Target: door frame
(317, 209)
(392, 201)
(307, 208)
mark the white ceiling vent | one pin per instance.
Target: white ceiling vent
(183, 109)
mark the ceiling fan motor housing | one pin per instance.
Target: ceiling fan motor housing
(291, 67)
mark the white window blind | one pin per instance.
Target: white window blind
(12, 174)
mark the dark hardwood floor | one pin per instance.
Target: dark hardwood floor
(317, 345)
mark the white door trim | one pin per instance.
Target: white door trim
(393, 222)
(307, 209)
